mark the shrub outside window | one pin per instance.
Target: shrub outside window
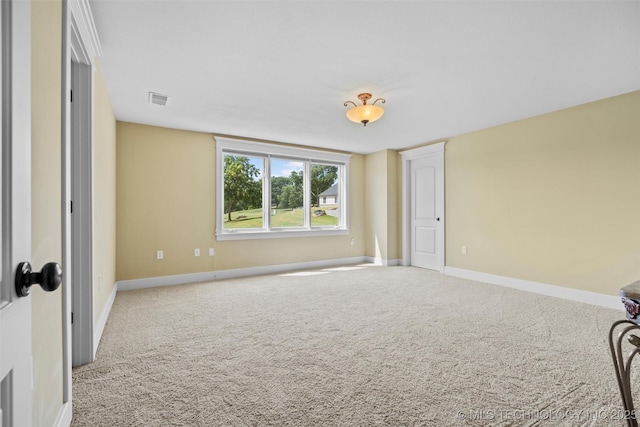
(268, 190)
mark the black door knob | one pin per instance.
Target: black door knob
(49, 278)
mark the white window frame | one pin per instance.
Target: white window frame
(231, 146)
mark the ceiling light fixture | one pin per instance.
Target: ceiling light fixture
(365, 113)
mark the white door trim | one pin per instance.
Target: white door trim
(80, 44)
(66, 206)
(407, 157)
(85, 45)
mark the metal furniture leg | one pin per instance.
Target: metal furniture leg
(622, 365)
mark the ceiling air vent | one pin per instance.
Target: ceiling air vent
(158, 99)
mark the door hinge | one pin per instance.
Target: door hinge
(72, 317)
(71, 97)
(71, 204)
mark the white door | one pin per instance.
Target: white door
(15, 160)
(427, 219)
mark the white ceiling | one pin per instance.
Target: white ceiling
(281, 70)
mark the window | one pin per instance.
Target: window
(266, 190)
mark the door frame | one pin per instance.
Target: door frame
(82, 215)
(81, 45)
(408, 156)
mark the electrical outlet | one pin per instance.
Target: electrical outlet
(211, 251)
(352, 242)
(196, 252)
(160, 255)
(464, 250)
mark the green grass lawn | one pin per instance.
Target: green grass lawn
(283, 218)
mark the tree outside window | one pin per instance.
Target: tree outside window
(243, 192)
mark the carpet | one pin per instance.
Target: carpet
(352, 346)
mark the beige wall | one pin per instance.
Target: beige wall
(394, 236)
(375, 205)
(382, 206)
(46, 237)
(166, 201)
(552, 199)
(104, 196)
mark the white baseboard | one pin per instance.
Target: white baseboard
(593, 298)
(103, 320)
(152, 282)
(383, 262)
(64, 416)
(209, 276)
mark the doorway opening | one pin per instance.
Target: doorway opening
(81, 48)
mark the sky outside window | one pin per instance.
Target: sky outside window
(279, 167)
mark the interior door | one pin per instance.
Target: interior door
(15, 312)
(426, 212)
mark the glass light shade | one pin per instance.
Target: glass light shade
(365, 113)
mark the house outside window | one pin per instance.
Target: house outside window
(268, 190)
(330, 195)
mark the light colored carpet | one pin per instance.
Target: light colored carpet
(366, 346)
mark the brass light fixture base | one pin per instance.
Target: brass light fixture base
(364, 97)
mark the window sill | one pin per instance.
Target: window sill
(251, 235)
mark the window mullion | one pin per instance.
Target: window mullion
(307, 194)
(343, 176)
(266, 193)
